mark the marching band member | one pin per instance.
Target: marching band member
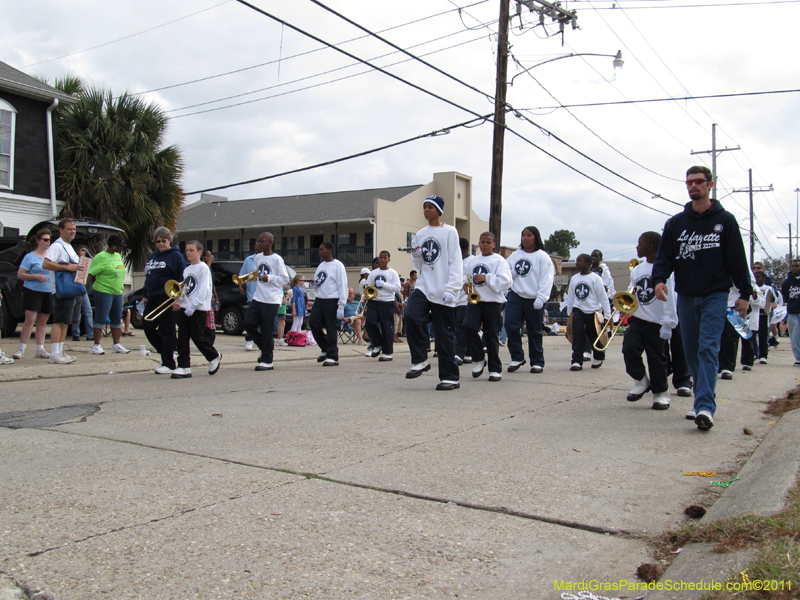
(267, 299)
(192, 310)
(533, 272)
(328, 310)
(380, 316)
(586, 296)
(461, 350)
(491, 277)
(649, 328)
(437, 259)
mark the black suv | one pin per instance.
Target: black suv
(14, 249)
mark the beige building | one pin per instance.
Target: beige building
(359, 223)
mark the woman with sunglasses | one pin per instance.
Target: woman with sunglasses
(37, 294)
(164, 264)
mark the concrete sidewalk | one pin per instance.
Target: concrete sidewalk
(355, 482)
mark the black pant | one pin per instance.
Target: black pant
(676, 360)
(161, 332)
(461, 348)
(583, 332)
(194, 328)
(261, 314)
(323, 316)
(380, 325)
(490, 315)
(444, 324)
(729, 348)
(763, 335)
(644, 336)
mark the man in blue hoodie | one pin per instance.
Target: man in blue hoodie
(703, 247)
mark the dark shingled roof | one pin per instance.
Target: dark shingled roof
(19, 83)
(287, 210)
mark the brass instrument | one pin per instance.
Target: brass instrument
(625, 303)
(473, 297)
(174, 290)
(239, 279)
(633, 263)
(370, 293)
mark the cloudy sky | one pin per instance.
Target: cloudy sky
(285, 102)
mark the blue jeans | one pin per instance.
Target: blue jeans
(86, 311)
(702, 320)
(518, 308)
(794, 334)
(107, 306)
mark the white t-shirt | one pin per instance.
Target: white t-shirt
(61, 253)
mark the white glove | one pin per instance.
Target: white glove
(537, 304)
(666, 332)
(340, 313)
(189, 310)
(448, 298)
(379, 284)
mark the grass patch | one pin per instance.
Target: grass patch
(775, 538)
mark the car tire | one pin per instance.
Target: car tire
(137, 320)
(231, 321)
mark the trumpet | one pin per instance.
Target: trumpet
(251, 276)
(473, 297)
(625, 303)
(370, 293)
(174, 290)
(633, 263)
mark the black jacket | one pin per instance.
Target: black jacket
(160, 268)
(705, 251)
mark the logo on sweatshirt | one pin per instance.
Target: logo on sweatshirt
(522, 267)
(695, 242)
(479, 269)
(321, 277)
(263, 269)
(189, 285)
(431, 251)
(645, 291)
(582, 291)
(153, 265)
(380, 278)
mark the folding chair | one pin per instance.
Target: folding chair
(346, 333)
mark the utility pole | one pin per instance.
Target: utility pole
(797, 225)
(544, 9)
(790, 242)
(713, 152)
(751, 190)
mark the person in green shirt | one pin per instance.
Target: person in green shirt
(108, 271)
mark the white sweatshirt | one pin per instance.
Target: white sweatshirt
(498, 276)
(608, 280)
(438, 263)
(533, 274)
(461, 297)
(650, 308)
(755, 303)
(196, 288)
(587, 294)
(331, 281)
(271, 291)
(391, 284)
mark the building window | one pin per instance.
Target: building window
(252, 245)
(236, 245)
(210, 245)
(368, 239)
(8, 117)
(223, 246)
(346, 239)
(301, 242)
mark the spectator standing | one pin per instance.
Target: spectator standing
(109, 277)
(85, 314)
(281, 328)
(4, 360)
(298, 302)
(211, 321)
(703, 247)
(37, 296)
(791, 296)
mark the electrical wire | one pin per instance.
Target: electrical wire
(707, 5)
(442, 131)
(127, 37)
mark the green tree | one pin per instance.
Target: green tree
(560, 243)
(777, 268)
(113, 166)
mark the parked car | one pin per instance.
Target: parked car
(555, 314)
(13, 250)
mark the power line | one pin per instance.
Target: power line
(703, 5)
(125, 37)
(443, 131)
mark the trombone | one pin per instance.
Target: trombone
(473, 297)
(251, 276)
(174, 290)
(625, 303)
(370, 293)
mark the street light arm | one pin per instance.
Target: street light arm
(618, 62)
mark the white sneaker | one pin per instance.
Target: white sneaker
(587, 356)
(18, 354)
(59, 359)
(162, 370)
(639, 389)
(97, 349)
(249, 346)
(119, 349)
(42, 353)
(181, 373)
(213, 366)
(691, 416)
(281, 342)
(385, 358)
(762, 361)
(726, 374)
(576, 367)
(262, 366)
(329, 362)
(495, 376)
(596, 364)
(661, 401)
(477, 370)
(704, 420)
(374, 353)
(4, 360)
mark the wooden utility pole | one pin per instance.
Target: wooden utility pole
(751, 190)
(713, 152)
(498, 139)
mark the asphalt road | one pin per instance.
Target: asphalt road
(348, 482)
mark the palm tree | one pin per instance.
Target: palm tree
(112, 165)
